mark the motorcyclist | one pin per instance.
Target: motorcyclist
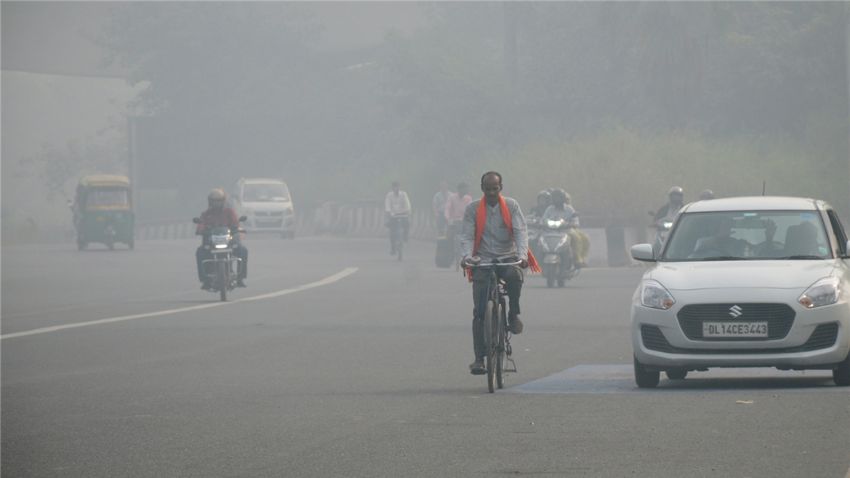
(397, 206)
(562, 208)
(494, 229)
(218, 215)
(676, 199)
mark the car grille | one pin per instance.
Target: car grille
(824, 336)
(779, 318)
(269, 213)
(269, 224)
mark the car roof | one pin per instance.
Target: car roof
(756, 203)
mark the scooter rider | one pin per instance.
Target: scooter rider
(544, 200)
(494, 229)
(562, 209)
(219, 215)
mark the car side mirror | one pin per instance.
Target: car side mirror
(196, 220)
(643, 252)
(243, 218)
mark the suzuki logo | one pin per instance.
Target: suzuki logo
(736, 311)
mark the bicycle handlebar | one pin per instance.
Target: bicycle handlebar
(494, 264)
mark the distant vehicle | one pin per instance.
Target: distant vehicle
(103, 211)
(267, 204)
(745, 282)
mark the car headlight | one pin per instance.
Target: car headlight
(825, 291)
(654, 295)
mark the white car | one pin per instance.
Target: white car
(745, 282)
(267, 204)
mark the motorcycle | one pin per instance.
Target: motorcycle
(222, 270)
(556, 248)
(662, 230)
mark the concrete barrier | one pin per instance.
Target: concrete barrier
(609, 245)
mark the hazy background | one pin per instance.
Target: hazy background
(615, 102)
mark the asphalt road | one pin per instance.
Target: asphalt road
(347, 363)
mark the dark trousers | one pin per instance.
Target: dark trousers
(513, 277)
(240, 251)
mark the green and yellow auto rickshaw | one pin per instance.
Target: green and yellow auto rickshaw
(103, 211)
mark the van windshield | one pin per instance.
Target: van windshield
(107, 198)
(270, 192)
(748, 235)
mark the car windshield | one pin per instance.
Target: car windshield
(271, 192)
(748, 235)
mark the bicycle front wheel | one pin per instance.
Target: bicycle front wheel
(501, 324)
(491, 341)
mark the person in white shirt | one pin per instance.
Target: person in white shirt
(397, 207)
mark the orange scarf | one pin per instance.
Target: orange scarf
(481, 220)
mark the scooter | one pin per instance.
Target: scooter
(556, 248)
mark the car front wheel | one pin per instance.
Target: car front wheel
(645, 378)
(841, 374)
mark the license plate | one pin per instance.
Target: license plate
(734, 329)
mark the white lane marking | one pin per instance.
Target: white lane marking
(619, 379)
(323, 282)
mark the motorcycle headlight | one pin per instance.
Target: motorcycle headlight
(825, 291)
(655, 296)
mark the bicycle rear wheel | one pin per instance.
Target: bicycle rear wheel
(491, 343)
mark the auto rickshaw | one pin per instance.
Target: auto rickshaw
(103, 211)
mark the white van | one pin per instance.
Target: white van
(267, 204)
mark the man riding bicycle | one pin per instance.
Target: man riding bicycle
(494, 229)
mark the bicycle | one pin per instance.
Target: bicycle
(497, 338)
(396, 226)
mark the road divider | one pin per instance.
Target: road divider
(312, 285)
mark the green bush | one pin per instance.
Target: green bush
(622, 174)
